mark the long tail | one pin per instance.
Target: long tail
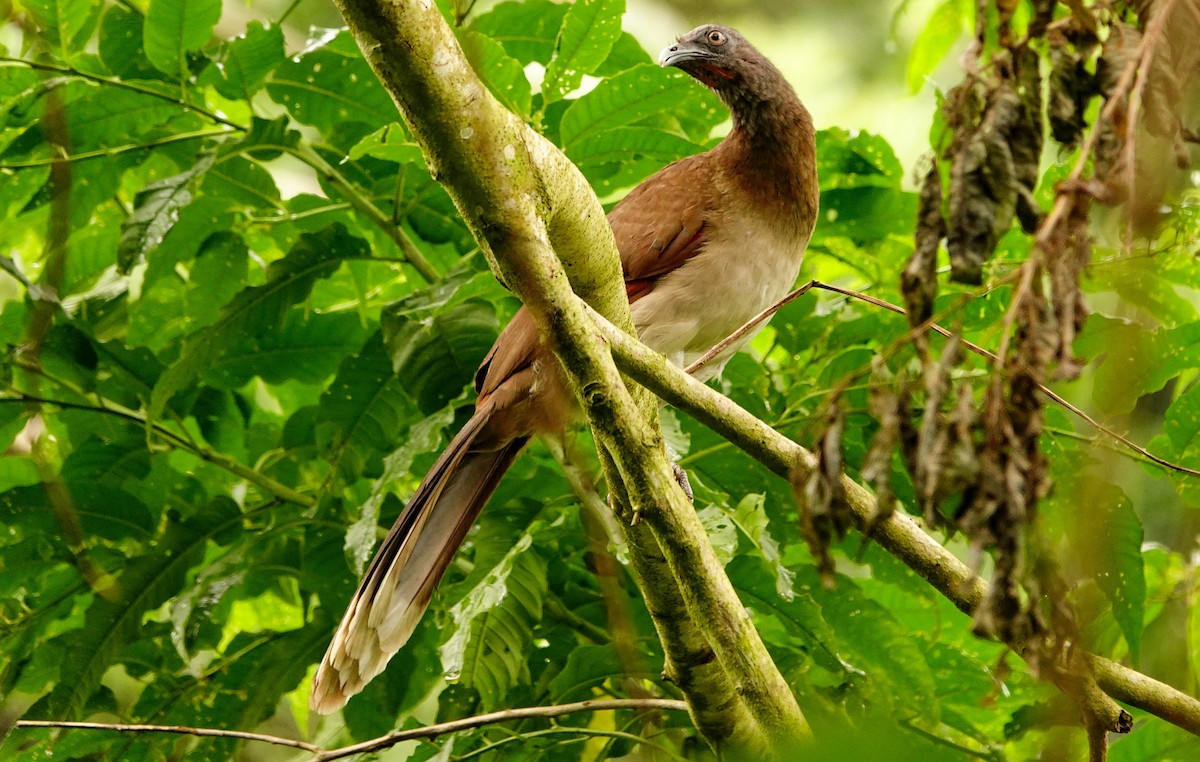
(397, 587)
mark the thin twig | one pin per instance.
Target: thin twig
(177, 729)
(286, 12)
(117, 150)
(992, 357)
(207, 454)
(505, 715)
(364, 205)
(71, 71)
(382, 742)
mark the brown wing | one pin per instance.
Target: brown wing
(664, 221)
(658, 227)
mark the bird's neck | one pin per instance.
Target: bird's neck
(771, 151)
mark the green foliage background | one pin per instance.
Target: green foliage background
(217, 396)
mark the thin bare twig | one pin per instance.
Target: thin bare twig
(177, 729)
(992, 357)
(71, 71)
(108, 407)
(504, 715)
(117, 150)
(382, 742)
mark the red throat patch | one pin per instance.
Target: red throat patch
(713, 75)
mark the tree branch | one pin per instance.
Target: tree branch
(899, 534)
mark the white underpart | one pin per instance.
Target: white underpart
(738, 274)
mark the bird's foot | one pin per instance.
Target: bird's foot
(682, 478)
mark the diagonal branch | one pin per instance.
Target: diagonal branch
(899, 534)
(991, 357)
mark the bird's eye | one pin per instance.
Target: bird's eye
(716, 38)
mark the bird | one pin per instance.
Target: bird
(706, 243)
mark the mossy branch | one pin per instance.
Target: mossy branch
(527, 207)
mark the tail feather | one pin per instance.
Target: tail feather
(401, 579)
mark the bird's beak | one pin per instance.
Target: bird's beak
(679, 53)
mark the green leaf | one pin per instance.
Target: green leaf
(1106, 536)
(1132, 360)
(1181, 425)
(390, 143)
(491, 628)
(942, 29)
(244, 182)
(527, 30)
(631, 144)
(361, 413)
(1124, 580)
(587, 668)
(872, 636)
(90, 251)
(258, 309)
(588, 33)
(861, 160)
(243, 63)
(274, 667)
(326, 88)
(799, 616)
(18, 471)
(435, 356)
(722, 533)
(156, 209)
(503, 75)
(114, 619)
(176, 27)
(626, 53)
(633, 95)
(62, 21)
(307, 347)
(750, 517)
(111, 117)
(120, 44)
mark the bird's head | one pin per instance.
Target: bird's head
(716, 55)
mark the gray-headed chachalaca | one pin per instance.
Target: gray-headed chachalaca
(706, 243)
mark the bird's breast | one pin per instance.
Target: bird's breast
(742, 269)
